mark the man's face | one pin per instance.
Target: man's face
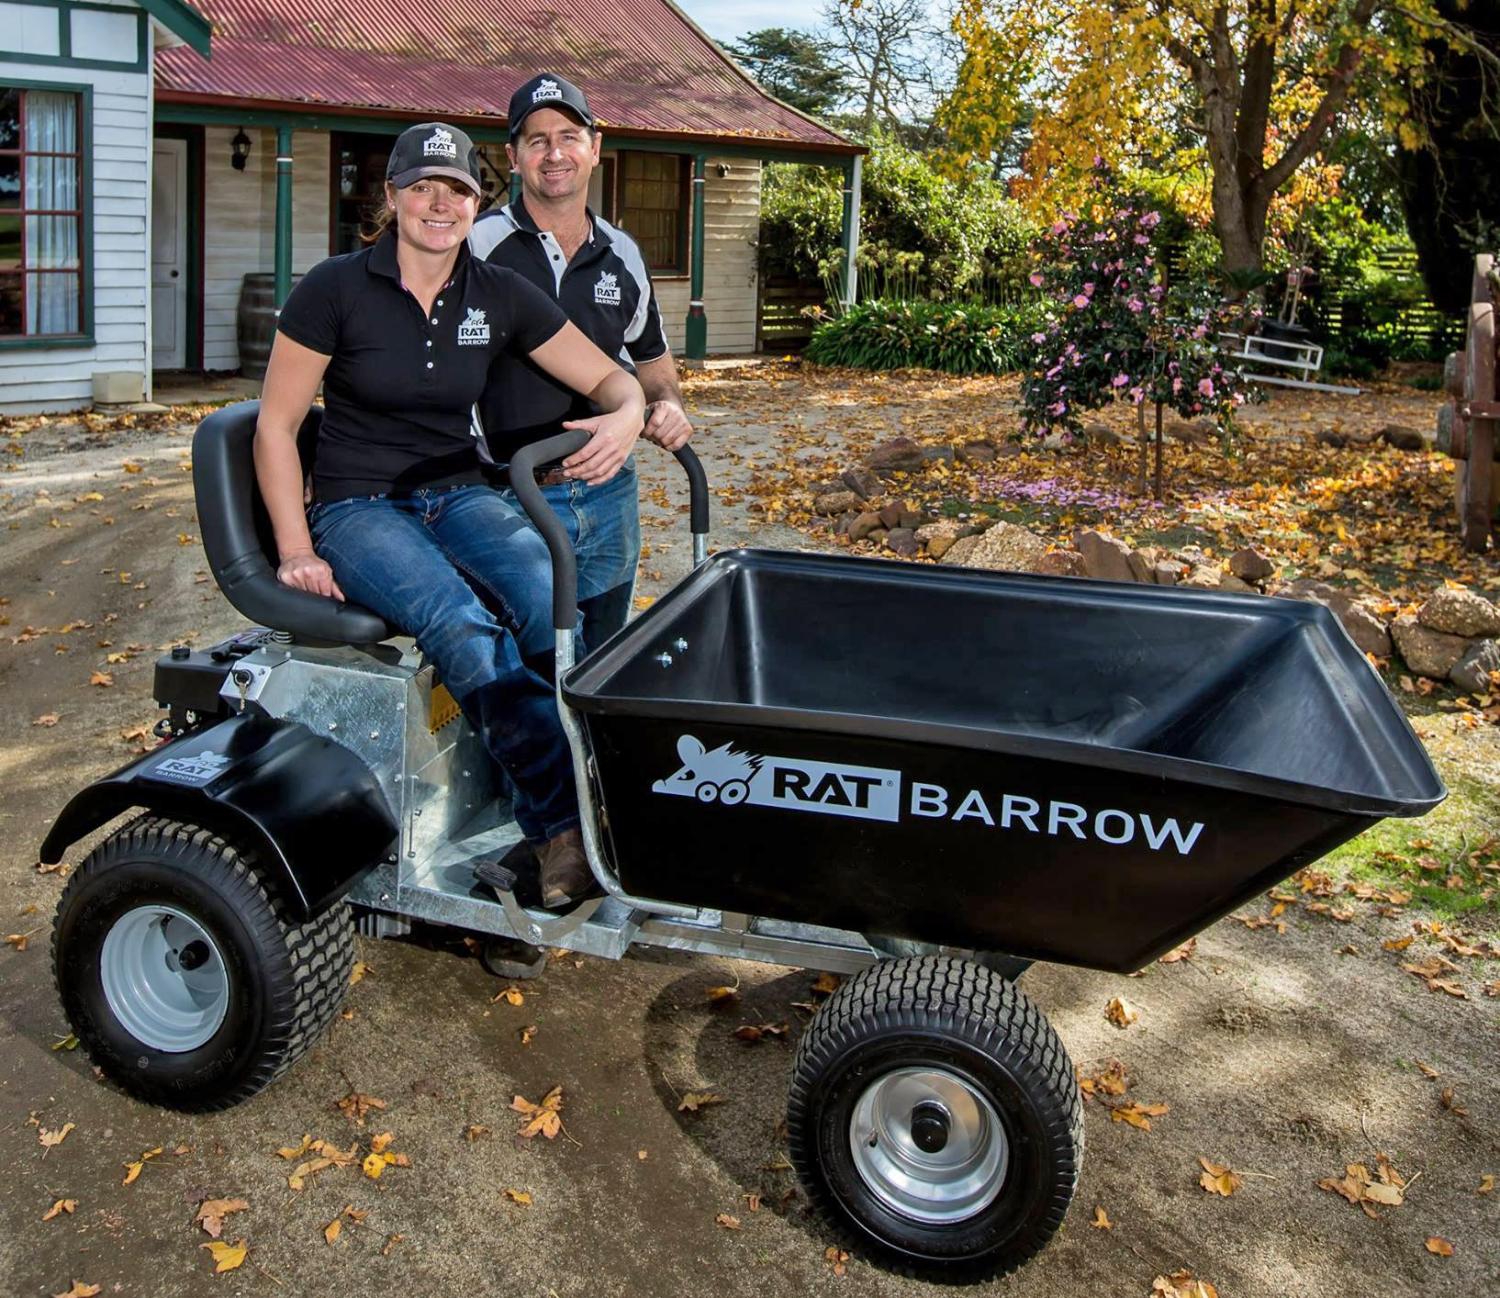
(554, 155)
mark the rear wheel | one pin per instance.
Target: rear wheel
(934, 1119)
(182, 974)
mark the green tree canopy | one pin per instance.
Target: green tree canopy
(794, 66)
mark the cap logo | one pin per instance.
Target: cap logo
(546, 89)
(607, 290)
(440, 145)
(474, 329)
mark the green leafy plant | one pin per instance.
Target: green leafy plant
(957, 339)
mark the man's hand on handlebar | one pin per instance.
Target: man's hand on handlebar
(303, 570)
(667, 425)
(614, 436)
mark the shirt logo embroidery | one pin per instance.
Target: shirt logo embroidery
(546, 90)
(439, 145)
(474, 329)
(607, 290)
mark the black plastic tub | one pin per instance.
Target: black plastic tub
(1069, 770)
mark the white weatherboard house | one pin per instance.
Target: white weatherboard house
(167, 169)
(76, 123)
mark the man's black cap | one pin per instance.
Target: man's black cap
(548, 91)
(434, 149)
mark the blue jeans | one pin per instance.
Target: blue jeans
(423, 562)
(604, 525)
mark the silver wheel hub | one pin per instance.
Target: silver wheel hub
(164, 978)
(928, 1145)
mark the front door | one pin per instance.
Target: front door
(169, 254)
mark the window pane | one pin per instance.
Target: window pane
(52, 183)
(10, 119)
(51, 243)
(10, 181)
(52, 304)
(51, 122)
(10, 305)
(651, 205)
(10, 242)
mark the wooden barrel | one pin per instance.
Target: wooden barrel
(255, 322)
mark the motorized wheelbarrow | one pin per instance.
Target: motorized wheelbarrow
(1030, 768)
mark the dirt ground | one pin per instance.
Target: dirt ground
(1285, 1055)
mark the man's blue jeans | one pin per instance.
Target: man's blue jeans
(422, 562)
(604, 525)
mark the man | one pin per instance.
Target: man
(597, 274)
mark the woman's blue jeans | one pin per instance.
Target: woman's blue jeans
(604, 526)
(422, 562)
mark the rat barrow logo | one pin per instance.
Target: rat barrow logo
(725, 775)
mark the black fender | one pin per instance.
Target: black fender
(312, 812)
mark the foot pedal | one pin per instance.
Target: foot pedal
(500, 877)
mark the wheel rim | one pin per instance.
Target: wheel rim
(929, 1145)
(164, 978)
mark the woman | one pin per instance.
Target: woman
(401, 336)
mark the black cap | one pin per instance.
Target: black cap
(548, 91)
(434, 149)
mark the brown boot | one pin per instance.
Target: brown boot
(565, 874)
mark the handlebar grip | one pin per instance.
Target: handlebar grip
(697, 487)
(523, 482)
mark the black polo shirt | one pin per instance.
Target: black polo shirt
(400, 386)
(605, 290)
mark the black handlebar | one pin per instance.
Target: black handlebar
(523, 466)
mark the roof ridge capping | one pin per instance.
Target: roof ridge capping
(754, 84)
(182, 20)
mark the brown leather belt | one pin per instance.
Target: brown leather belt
(553, 477)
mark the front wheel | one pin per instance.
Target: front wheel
(934, 1119)
(182, 975)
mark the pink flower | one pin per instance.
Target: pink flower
(1080, 301)
(1136, 305)
(1143, 240)
(1120, 380)
(1137, 396)
(1150, 219)
(1036, 279)
(1057, 408)
(1059, 227)
(1176, 386)
(1089, 288)
(1038, 338)
(1205, 387)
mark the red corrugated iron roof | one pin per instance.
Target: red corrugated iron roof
(644, 66)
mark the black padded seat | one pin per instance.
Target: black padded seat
(240, 545)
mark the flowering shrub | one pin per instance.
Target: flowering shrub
(1115, 331)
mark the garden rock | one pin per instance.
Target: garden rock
(1460, 612)
(1250, 565)
(1103, 556)
(960, 550)
(862, 483)
(1365, 629)
(835, 502)
(1202, 578)
(1103, 435)
(1194, 434)
(903, 541)
(1142, 561)
(1332, 437)
(938, 546)
(933, 454)
(1403, 438)
(862, 526)
(980, 452)
(1228, 581)
(1427, 652)
(1056, 442)
(899, 455)
(1007, 547)
(952, 528)
(1166, 573)
(1062, 563)
(1472, 673)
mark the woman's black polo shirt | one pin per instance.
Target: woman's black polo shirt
(400, 385)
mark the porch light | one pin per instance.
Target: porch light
(240, 150)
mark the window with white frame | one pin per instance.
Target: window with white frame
(41, 213)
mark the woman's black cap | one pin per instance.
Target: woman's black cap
(434, 149)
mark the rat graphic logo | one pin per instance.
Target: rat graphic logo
(607, 290)
(474, 329)
(724, 775)
(439, 145)
(546, 89)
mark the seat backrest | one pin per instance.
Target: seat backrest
(240, 545)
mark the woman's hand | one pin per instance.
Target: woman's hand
(305, 571)
(614, 435)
